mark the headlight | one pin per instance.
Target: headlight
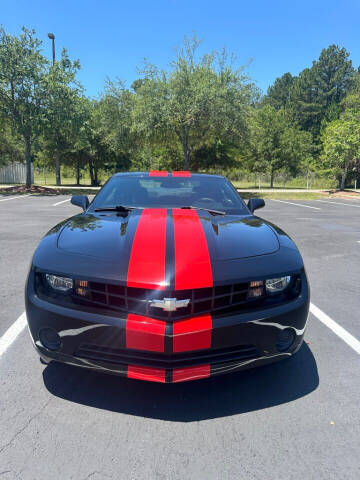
(60, 284)
(277, 285)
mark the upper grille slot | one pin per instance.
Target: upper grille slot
(216, 300)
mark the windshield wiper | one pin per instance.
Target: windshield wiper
(117, 208)
(210, 210)
(126, 209)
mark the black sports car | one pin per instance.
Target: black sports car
(167, 277)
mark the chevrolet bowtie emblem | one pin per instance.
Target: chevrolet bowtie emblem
(169, 304)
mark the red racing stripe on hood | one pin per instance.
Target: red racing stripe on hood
(158, 173)
(145, 333)
(147, 258)
(192, 259)
(146, 373)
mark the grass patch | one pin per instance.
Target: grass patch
(66, 180)
(293, 183)
(42, 190)
(284, 195)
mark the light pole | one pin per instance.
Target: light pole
(52, 37)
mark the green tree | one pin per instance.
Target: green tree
(352, 100)
(334, 74)
(22, 70)
(115, 124)
(65, 144)
(276, 144)
(279, 94)
(341, 145)
(317, 91)
(197, 101)
(11, 147)
(93, 148)
(216, 155)
(59, 118)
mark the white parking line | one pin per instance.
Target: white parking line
(336, 328)
(14, 198)
(339, 203)
(12, 332)
(62, 201)
(297, 204)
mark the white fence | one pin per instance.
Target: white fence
(15, 173)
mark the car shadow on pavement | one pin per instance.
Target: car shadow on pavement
(215, 397)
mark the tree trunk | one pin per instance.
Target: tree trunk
(28, 160)
(187, 161)
(91, 172)
(272, 179)
(57, 168)
(343, 178)
(77, 172)
(186, 151)
(96, 178)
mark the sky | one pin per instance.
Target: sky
(111, 38)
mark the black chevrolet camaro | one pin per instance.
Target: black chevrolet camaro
(167, 277)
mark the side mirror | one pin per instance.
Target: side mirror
(255, 203)
(80, 201)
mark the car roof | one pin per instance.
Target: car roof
(146, 174)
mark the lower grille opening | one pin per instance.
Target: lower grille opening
(161, 360)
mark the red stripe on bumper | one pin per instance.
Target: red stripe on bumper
(146, 373)
(192, 334)
(158, 173)
(181, 174)
(192, 259)
(190, 373)
(145, 333)
(147, 258)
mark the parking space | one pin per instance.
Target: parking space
(328, 240)
(23, 222)
(292, 420)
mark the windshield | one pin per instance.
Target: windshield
(170, 192)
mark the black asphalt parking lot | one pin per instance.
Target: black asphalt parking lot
(298, 419)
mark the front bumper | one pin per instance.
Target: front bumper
(143, 348)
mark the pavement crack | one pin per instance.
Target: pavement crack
(24, 427)
(102, 475)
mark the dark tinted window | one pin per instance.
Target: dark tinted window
(214, 193)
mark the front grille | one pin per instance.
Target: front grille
(161, 360)
(217, 300)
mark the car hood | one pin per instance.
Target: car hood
(110, 237)
(167, 249)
